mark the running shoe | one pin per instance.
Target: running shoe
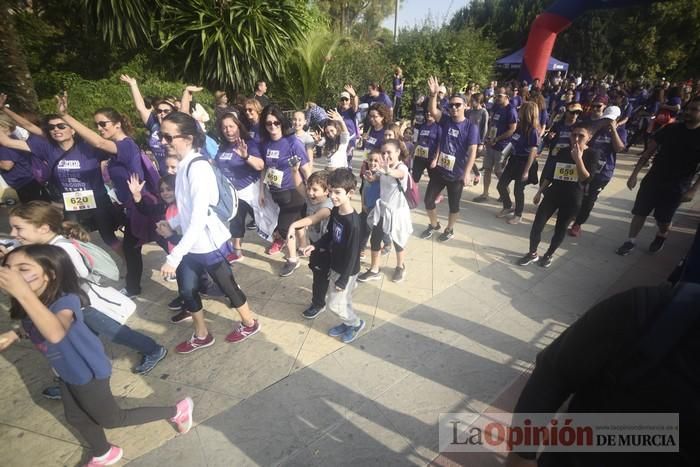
(175, 304)
(657, 245)
(234, 256)
(446, 235)
(251, 225)
(339, 330)
(545, 261)
(481, 199)
(353, 333)
(183, 417)
(369, 275)
(313, 311)
(52, 393)
(181, 317)
(195, 343)
(289, 267)
(241, 333)
(528, 259)
(514, 220)
(124, 291)
(275, 248)
(625, 249)
(505, 212)
(150, 361)
(399, 274)
(427, 233)
(112, 456)
(575, 230)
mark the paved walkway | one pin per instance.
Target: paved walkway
(462, 330)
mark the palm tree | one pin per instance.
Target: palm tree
(14, 73)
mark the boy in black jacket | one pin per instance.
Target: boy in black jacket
(342, 244)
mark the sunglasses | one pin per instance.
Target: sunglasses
(169, 138)
(103, 123)
(455, 105)
(60, 126)
(163, 111)
(271, 124)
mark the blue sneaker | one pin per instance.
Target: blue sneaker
(337, 331)
(352, 332)
(52, 392)
(150, 361)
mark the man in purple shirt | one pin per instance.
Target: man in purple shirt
(453, 161)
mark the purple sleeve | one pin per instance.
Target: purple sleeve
(254, 148)
(7, 154)
(533, 139)
(39, 146)
(70, 302)
(152, 123)
(387, 101)
(512, 115)
(129, 154)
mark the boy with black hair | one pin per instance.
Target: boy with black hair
(341, 245)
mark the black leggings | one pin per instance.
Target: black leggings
(90, 408)
(565, 207)
(377, 237)
(189, 275)
(237, 225)
(291, 205)
(420, 165)
(513, 171)
(592, 191)
(435, 186)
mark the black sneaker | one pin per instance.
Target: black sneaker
(288, 268)
(545, 261)
(251, 225)
(313, 311)
(369, 276)
(528, 259)
(427, 233)
(446, 235)
(657, 245)
(52, 393)
(399, 274)
(625, 249)
(175, 304)
(181, 317)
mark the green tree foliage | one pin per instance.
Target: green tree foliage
(14, 73)
(363, 18)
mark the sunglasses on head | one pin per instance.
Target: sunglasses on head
(60, 126)
(270, 124)
(163, 111)
(103, 123)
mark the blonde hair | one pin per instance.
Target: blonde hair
(529, 117)
(72, 229)
(7, 122)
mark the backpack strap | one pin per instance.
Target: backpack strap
(199, 158)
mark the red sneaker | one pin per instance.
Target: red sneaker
(234, 257)
(112, 456)
(183, 418)
(195, 343)
(241, 333)
(575, 230)
(275, 248)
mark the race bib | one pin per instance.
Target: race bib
(565, 172)
(421, 151)
(446, 161)
(79, 200)
(274, 177)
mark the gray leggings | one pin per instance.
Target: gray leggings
(90, 408)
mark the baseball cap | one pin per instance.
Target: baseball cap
(574, 107)
(602, 99)
(612, 112)
(345, 94)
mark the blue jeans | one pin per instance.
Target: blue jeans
(189, 275)
(99, 323)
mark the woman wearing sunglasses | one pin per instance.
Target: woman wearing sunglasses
(152, 119)
(113, 138)
(253, 110)
(74, 172)
(282, 152)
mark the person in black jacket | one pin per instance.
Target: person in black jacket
(342, 244)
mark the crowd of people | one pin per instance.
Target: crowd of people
(291, 177)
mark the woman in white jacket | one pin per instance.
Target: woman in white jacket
(337, 138)
(204, 244)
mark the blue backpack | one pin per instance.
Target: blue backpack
(227, 205)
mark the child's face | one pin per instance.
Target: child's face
(389, 134)
(27, 233)
(171, 165)
(298, 120)
(30, 270)
(339, 196)
(316, 193)
(167, 194)
(390, 153)
(373, 161)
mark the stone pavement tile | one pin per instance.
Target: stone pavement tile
(492, 292)
(188, 452)
(22, 448)
(366, 438)
(396, 299)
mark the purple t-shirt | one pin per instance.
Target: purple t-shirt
(159, 152)
(276, 155)
(350, 119)
(75, 170)
(235, 168)
(516, 101)
(380, 98)
(254, 132)
(455, 141)
(120, 167)
(21, 172)
(398, 88)
(375, 139)
(602, 141)
(523, 143)
(428, 137)
(501, 119)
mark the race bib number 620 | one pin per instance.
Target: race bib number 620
(79, 200)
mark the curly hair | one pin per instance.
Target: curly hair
(383, 112)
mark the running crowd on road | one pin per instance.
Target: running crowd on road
(290, 178)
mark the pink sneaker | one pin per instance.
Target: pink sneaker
(575, 230)
(439, 199)
(183, 418)
(113, 456)
(275, 248)
(195, 343)
(241, 333)
(234, 257)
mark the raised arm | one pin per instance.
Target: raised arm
(17, 144)
(354, 100)
(186, 99)
(434, 87)
(20, 120)
(92, 138)
(137, 97)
